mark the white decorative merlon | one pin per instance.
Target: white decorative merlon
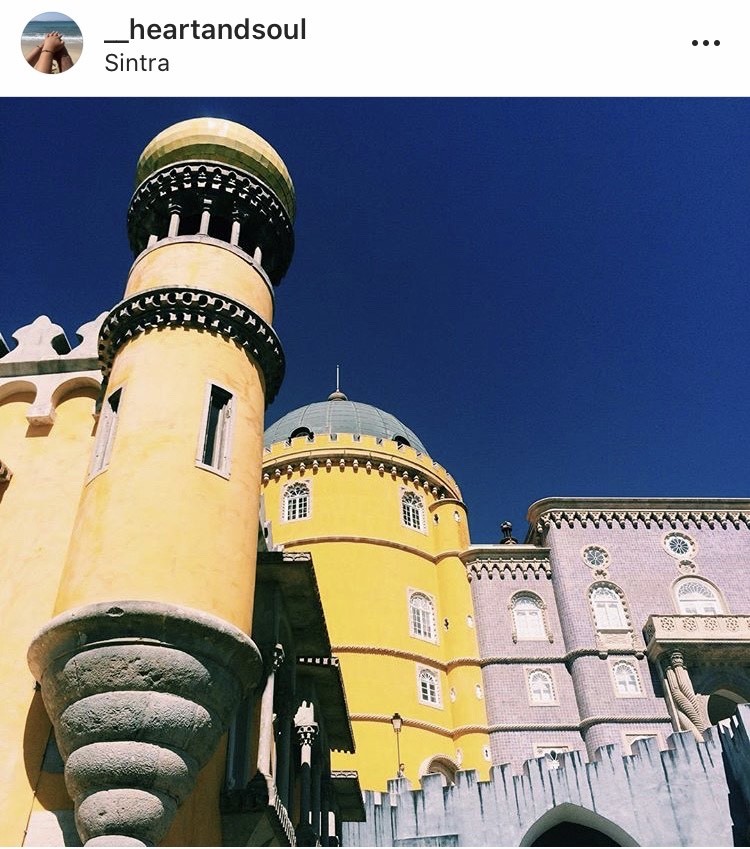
(43, 363)
(40, 340)
(43, 348)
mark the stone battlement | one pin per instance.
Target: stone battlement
(679, 796)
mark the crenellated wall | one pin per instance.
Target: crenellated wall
(677, 797)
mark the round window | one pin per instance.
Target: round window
(679, 546)
(595, 556)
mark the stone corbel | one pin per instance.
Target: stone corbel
(139, 694)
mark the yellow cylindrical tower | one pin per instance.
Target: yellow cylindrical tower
(354, 486)
(192, 360)
(156, 598)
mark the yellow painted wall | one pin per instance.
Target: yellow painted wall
(367, 563)
(202, 265)
(201, 552)
(37, 509)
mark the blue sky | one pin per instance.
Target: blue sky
(551, 293)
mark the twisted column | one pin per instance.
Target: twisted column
(681, 689)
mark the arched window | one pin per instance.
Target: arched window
(412, 511)
(608, 610)
(428, 686)
(626, 678)
(296, 502)
(422, 617)
(697, 598)
(541, 689)
(528, 617)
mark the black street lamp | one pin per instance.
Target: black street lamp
(397, 722)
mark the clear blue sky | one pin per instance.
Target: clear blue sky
(552, 293)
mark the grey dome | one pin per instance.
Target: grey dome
(342, 416)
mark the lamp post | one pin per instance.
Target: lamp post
(397, 722)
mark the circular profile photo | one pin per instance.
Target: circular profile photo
(51, 43)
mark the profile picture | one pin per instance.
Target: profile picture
(51, 43)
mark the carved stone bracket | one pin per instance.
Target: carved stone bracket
(139, 694)
(157, 309)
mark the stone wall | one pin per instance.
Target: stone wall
(677, 797)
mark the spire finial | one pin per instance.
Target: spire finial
(338, 395)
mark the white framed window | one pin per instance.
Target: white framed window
(105, 433)
(422, 616)
(215, 440)
(609, 612)
(541, 687)
(627, 682)
(412, 511)
(428, 686)
(296, 502)
(528, 617)
(697, 598)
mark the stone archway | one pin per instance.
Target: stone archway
(722, 704)
(572, 825)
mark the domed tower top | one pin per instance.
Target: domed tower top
(221, 141)
(213, 178)
(339, 415)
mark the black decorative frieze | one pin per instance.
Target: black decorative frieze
(157, 309)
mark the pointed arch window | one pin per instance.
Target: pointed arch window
(412, 511)
(528, 617)
(422, 617)
(627, 682)
(697, 598)
(609, 612)
(296, 502)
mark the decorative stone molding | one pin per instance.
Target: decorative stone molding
(5, 473)
(49, 390)
(634, 513)
(231, 194)
(387, 651)
(663, 632)
(521, 567)
(139, 694)
(347, 459)
(453, 733)
(583, 725)
(568, 658)
(157, 309)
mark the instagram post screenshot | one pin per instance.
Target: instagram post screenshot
(374, 409)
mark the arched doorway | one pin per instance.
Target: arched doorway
(573, 834)
(573, 825)
(722, 704)
(444, 766)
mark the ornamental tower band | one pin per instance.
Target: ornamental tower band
(251, 633)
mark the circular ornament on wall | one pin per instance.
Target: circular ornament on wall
(679, 545)
(596, 558)
(687, 567)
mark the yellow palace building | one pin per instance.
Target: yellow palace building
(170, 675)
(385, 524)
